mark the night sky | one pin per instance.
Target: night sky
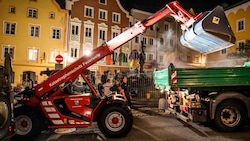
(197, 5)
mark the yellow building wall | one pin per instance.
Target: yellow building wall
(21, 40)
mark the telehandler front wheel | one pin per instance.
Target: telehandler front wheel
(29, 123)
(115, 121)
(230, 116)
(5, 115)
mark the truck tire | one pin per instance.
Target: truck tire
(29, 123)
(5, 115)
(230, 116)
(115, 121)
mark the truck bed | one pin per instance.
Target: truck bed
(203, 78)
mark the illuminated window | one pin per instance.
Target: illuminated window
(33, 54)
(52, 56)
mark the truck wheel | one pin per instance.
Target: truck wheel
(230, 116)
(5, 115)
(115, 121)
(28, 123)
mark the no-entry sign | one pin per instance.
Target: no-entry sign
(59, 58)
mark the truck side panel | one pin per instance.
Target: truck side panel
(209, 77)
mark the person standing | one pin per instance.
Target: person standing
(114, 88)
(106, 87)
(126, 88)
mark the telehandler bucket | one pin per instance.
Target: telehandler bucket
(210, 33)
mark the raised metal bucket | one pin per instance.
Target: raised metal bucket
(210, 33)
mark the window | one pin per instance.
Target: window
(102, 34)
(114, 34)
(8, 49)
(240, 25)
(103, 14)
(33, 54)
(9, 28)
(53, 54)
(116, 17)
(51, 15)
(166, 26)
(75, 30)
(241, 45)
(56, 33)
(161, 41)
(188, 58)
(73, 52)
(224, 51)
(89, 11)
(136, 39)
(151, 41)
(171, 42)
(161, 59)
(152, 27)
(32, 13)
(12, 9)
(196, 59)
(34, 30)
(150, 57)
(102, 1)
(88, 32)
(144, 40)
(180, 57)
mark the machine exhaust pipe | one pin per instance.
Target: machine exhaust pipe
(210, 33)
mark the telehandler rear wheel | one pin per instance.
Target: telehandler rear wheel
(5, 115)
(29, 123)
(230, 116)
(115, 121)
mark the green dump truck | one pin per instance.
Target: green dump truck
(220, 95)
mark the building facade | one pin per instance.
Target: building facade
(33, 32)
(162, 44)
(92, 23)
(239, 20)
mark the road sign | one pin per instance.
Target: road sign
(59, 58)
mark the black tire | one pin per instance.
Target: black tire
(29, 123)
(230, 116)
(115, 121)
(5, 115)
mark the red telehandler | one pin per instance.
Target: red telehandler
(51, 104)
